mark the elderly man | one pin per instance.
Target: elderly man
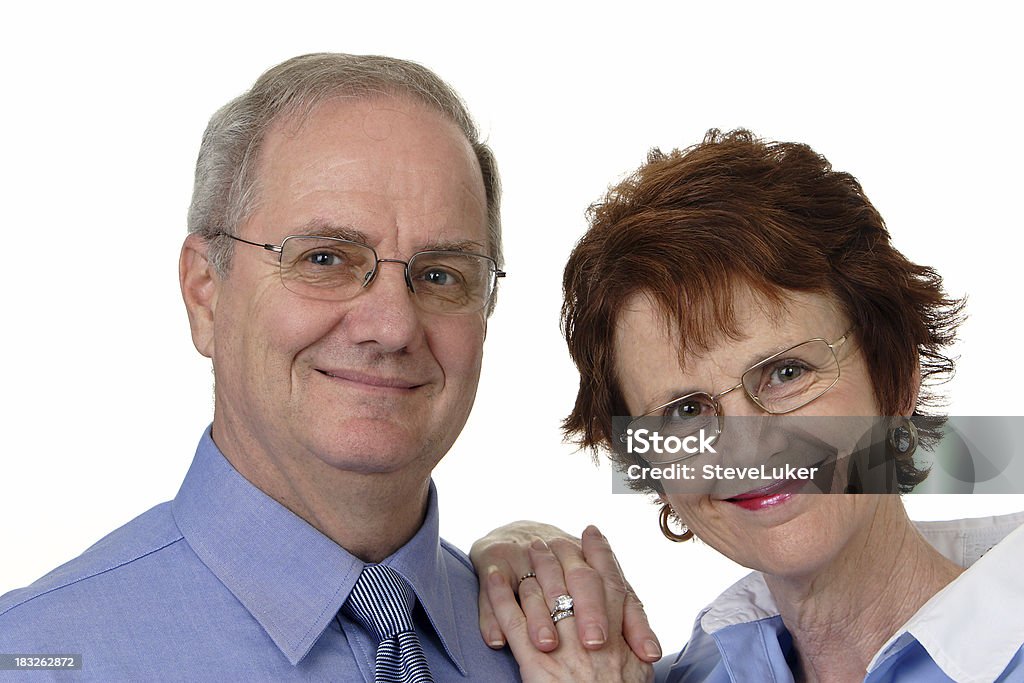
(343, 252)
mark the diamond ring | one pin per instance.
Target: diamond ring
(563, 608)
(558, 616)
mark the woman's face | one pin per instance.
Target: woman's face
(782, 535)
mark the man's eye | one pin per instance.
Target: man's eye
(325, 258)
(440, 278)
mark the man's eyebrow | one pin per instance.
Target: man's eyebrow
(321, 229)
(343, 232)
(457, 245)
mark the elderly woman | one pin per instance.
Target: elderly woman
(747, 278)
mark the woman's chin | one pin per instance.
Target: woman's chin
(782, 533)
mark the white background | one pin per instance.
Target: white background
(103, 107)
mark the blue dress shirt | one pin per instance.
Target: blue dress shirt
(971, 631)
(225, 584)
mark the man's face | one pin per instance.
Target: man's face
(372, 384)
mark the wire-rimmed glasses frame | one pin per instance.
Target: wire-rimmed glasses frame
(477, 273)
(714, 399)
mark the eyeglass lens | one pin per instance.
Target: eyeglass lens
(779, 384)
(793, 378)
(332, 269)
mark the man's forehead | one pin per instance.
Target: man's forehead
(383, 105)
(356, 164)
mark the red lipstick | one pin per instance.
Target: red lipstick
(768, 496)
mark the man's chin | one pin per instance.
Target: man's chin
(377, 448)
(368, 463)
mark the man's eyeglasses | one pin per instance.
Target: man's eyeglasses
(779, 384)
(334, 269)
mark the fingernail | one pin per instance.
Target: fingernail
(546, 635)
(652, 650)
(593, 635)
(495, 640)
(593, 531)
(539, 545)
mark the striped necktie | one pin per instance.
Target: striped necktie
(382, 602)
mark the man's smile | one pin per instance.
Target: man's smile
(371, 380)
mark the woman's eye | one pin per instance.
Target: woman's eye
(786, 372)
(685, 410)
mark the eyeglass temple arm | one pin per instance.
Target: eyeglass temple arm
(276, 248)
(842, 340)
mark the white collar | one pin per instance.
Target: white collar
(982, 605)
(972, 628)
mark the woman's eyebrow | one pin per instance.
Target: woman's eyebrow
(786, 346)
(764, 354)
(668, 396)
(755, 358)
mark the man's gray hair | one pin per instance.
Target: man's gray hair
(225, 189)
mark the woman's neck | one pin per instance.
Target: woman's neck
(842, 614)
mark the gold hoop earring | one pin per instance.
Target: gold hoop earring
(666, 530)
(902, 440)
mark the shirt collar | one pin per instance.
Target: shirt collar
(745, 601)
(421, 563)
(983, 602)
(963, 541)
(290, 577)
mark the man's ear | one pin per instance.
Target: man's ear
(200, 285)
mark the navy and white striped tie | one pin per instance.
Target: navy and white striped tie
(382, 602)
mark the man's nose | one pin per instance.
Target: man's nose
(385, 312)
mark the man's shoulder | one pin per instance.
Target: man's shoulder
(461, 579)
(454, 557)
(102, 567)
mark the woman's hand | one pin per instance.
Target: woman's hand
(508, 549)
(570, 660)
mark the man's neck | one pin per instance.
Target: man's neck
(370, 515)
